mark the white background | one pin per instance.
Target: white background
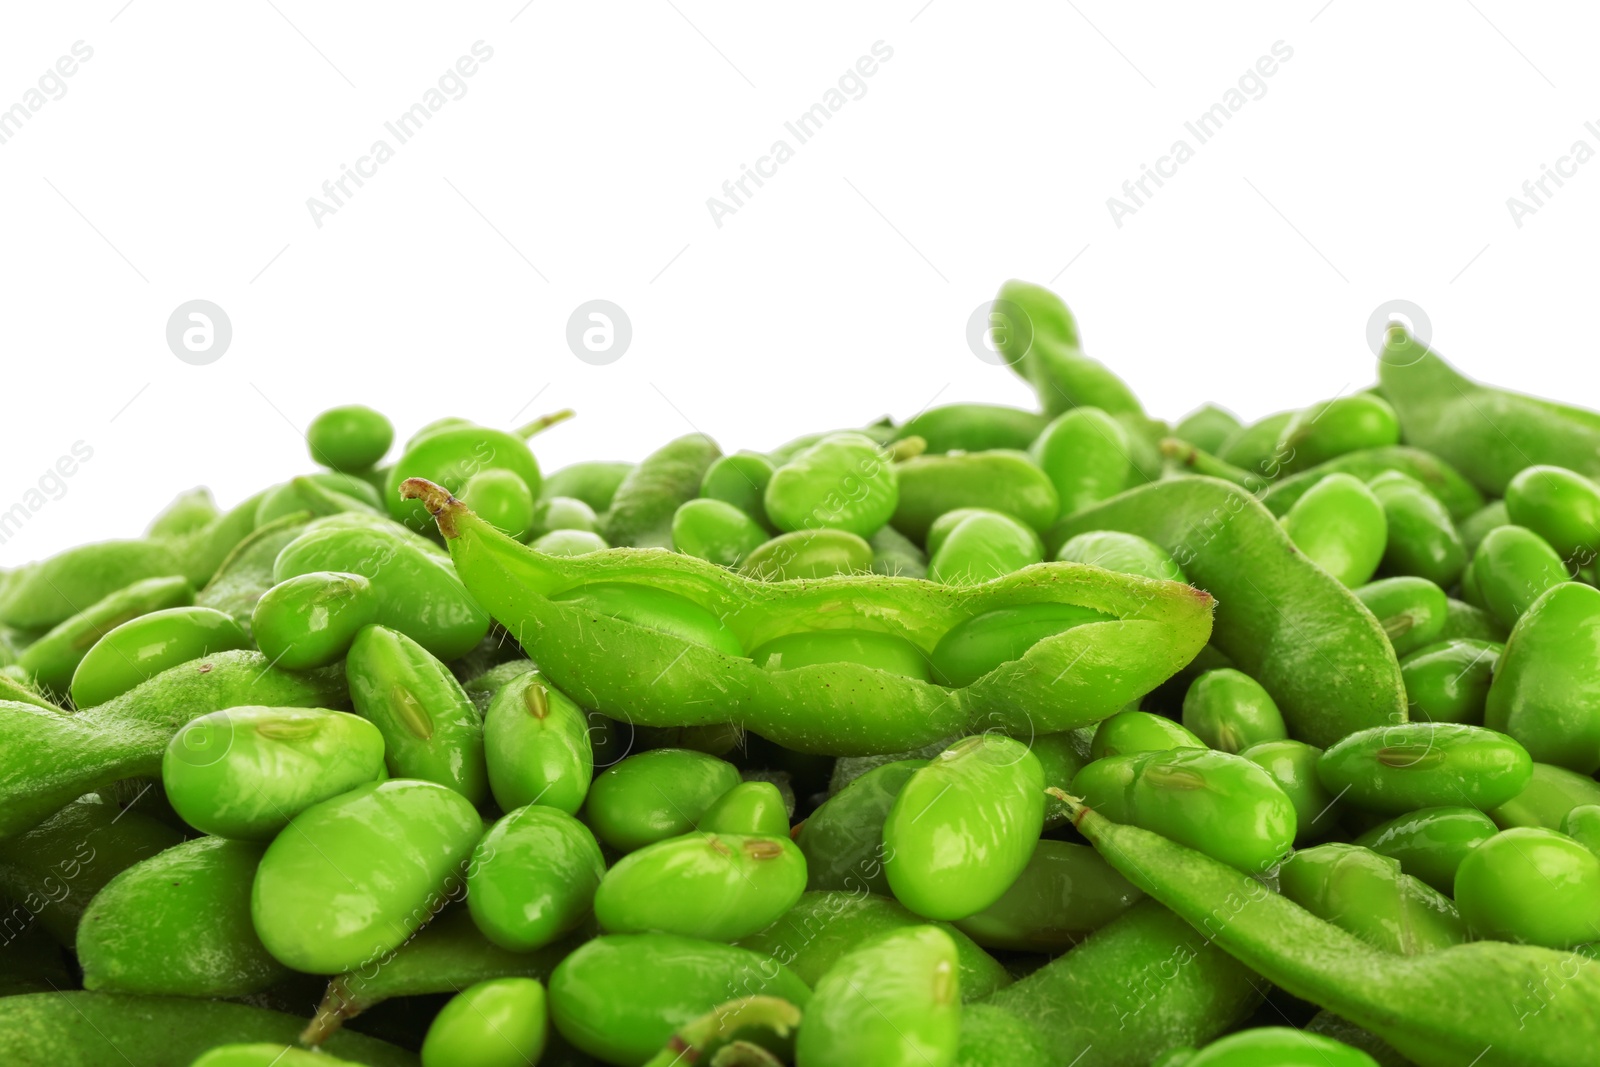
(578, 164)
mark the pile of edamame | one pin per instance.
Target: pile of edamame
(997, 737)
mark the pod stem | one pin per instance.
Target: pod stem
(437, 499)
(543, 423)
(338, 1004)
(694, 1039)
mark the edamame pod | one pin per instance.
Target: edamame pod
(896, 554)
(1065, 893)
(720, 887)
(843, 839)
(1207, 426)
(430, 727)
(143, 647)
(973, 427)
(641, 510)
(533, 878)
(594, 482)
(962, 828)
(333, 893)
(1222, 804)
(48, 592)
(1430, 843)
(1254, 446)
(670, 981)
(911, 1017)
(140, 934)
(1366, 894)
(1401, 768)
(188, 512)
(536, 744)
(245, 772)
(245, 576)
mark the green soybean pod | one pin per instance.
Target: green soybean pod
(999, 479)
(1293, 765)
(140, 934)
(1128, 732)
(311, 620)
(502, 499)
(642, 508)
(245, 772)
(144, 647)
(962, 828)
(1254, 446)
(350, 438)
(740, 479)
(593, 481)
(1061, 756)
(974, 647)
(1531, 885)
(320, 494)
(333, 893)
(843, 839)
(808, 554)
(1546, 686)
(1218, 803)
(1430, 843)
(536, 746)
(824, 926)
(1396, 769)
(886, 652)
(569, 543)
(753, 807)
(1085, 453)
(266, 1054)
(1582, 824)
(654, 609)
(1207, 426)
(52, 658)
(1334, 427)
(670, 981)
(716, 531)
(1560, 505)
(720, 887)
(896, 554)
(1422, 539)
(430, 727)
(1412, 610)
(1544, 802)
(48, 592)
(651, 796)
(1449, 681)
(1229, 711)
(1065, 893)
(188, 512)
(499, 1023)
(1339, 525)
(1124, 553)
(843, 482)
(1366, 894)
(533, 878)
(1512, 568)
(895, 1001)
(983, 546)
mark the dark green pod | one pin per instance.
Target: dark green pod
(1065, 893)
(843, 839)
(179, 923)
(52, 658)
(641, 510)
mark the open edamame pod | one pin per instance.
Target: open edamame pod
(1280, 618)
(677, 661)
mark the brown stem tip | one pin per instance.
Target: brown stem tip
(437, 499)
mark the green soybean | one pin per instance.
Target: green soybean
(536, 746)
(1340, 525)
(655, 795)
(1397, 769)
(1430, 843)
(720, 887)
(533, 878)
(1228, 710)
